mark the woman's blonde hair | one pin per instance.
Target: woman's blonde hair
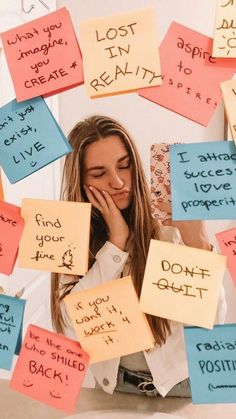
(142, 226)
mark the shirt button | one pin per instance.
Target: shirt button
(105, 381)
(116, 258)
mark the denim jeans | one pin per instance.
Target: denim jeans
(181, 389)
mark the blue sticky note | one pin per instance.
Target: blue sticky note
(212, 363)
(203, 180)
(11, 319)
(30, 138)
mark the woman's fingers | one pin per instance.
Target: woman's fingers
(164, 206)
(110, 203)
(96, 198)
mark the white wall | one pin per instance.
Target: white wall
(148, 122)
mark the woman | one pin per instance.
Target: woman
(105, 169)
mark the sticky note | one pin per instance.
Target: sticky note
(43, 55)
(191, 76)
(229, 96)
(160, 178)
(30, 138)
(11, 228)
(120, 53)
(1, 187)
(227, 243)
(56, 236)
(11, 318)
(108, 321)
(182, 283)
(224, 29)
(211, 362)
(205, 188)
(50, 368)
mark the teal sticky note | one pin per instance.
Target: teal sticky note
(30, 138)
(212, 363)
(11, 319)
(203, 180)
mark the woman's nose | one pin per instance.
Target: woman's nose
(115, 181)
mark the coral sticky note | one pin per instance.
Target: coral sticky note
(11, 319)
(205, 188)
(227, 243)
(11, 228)
(120, 53)
(108, 320)
(50, 368)
(182, 283)
(30, 138)
(43, 55)
(229, 96)
(1, 187)
(56, 236)
(211, 362)
(191, 76)
(224, 30)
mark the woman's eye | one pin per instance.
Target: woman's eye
(125, 167)
(98, 175)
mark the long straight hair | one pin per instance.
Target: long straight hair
(142, 226)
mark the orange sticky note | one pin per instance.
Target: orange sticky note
(56, 236)
(120, 53)
(11, 227)
(43, 55)
(227, 243)
(224, 29)
(191, 76)
(108, 320)
(1, 188)
(50, 368)
(182, 283)
(229, 96)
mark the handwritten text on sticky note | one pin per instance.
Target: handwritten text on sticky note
(224, 31)
(43, 55)
(56, 236)
(229, 95)
(227, 243)
(191, 76)
(30, 138)
(11, 318)
(187, 292)
(11, 228)
(104, 317)
(212, 364)
(50, 368)
(124, 54)
(205, 187)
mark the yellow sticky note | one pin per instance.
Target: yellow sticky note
(224, 42)
(56, 236)
(120, 53)
(108, 321)
(182, 283)
(229, 95)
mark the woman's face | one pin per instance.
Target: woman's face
(108, 167)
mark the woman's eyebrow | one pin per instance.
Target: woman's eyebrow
(102, 167)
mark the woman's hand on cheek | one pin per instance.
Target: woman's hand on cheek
(118, 228)
(193, 233)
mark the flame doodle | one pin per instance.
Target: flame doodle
(67, 260)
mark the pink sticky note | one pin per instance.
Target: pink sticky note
(50, 368)
(11, 227)
(191, 76)
(227, 243)
(43, 56)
